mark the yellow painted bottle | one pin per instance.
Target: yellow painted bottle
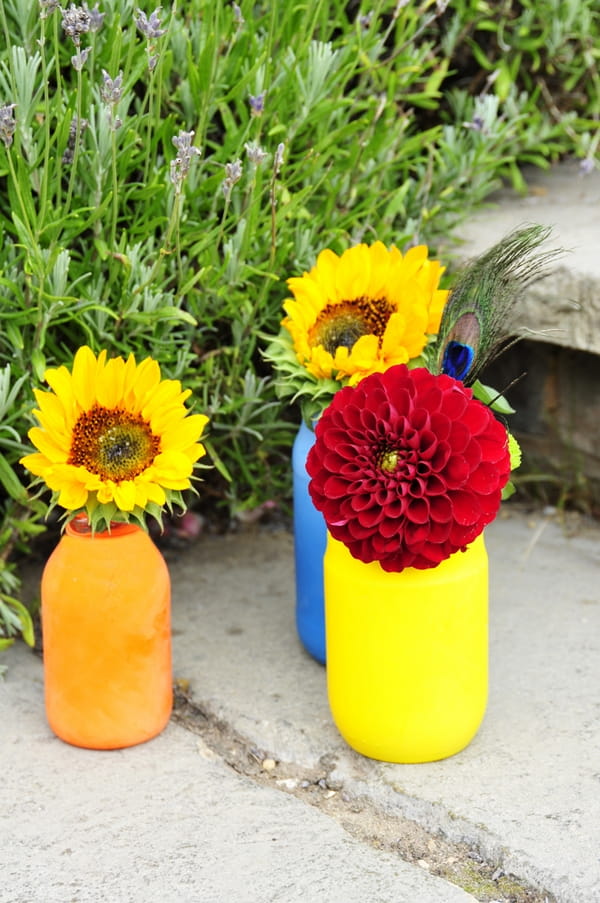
(407, 653)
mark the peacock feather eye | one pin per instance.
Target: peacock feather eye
(475, 323)
(457, 360)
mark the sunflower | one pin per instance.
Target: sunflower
(364, 311)
(114, 439)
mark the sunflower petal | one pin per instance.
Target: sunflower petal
(85, 366)
(183, 434)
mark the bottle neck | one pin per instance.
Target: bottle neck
(80, 526)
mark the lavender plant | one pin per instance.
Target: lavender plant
(164, 169)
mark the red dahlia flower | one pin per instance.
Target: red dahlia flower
(407, 467)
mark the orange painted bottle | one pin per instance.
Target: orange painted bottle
(106, 628)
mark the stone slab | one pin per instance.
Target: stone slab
(526, 792)
(168, 822)
(564, 308)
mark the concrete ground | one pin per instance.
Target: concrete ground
(251, 795)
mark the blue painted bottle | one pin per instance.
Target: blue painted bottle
(310, 540)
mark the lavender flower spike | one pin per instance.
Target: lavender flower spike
(150, 27)
(7, 123)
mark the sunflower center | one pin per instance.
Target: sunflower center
(341, 325)
(114, 444)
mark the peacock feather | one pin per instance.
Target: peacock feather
(476, 319)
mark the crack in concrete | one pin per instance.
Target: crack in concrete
(457, 863)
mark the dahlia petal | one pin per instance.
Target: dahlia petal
(440, 509)
(460, 436)
(419, 487)
(435, 485)
(491, 449)
(484, 479)
(462, 536)
(465, 507)
(440, 425)
(477, 417)
(337, 439)
(419, 422)
(371, 516)
(454, 404)
(490, 504)
(417, 511)
(441, 457)
(431, 399)
(361, 502)
(400, 399)
(332, 462)
(415, 533)
(353, 416)
(439, 532)
(456, 471)
(396, 508)
(335, 488)
(389, 527)
(473, 454)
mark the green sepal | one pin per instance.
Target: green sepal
(102, 515)
(508, 490)
(515, 461)
(293, 380)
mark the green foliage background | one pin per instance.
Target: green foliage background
(381, 120)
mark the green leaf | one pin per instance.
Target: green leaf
(38, 362)
(492, 398)
(10, 481)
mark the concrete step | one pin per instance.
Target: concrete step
(558, 363)
(251, 793)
